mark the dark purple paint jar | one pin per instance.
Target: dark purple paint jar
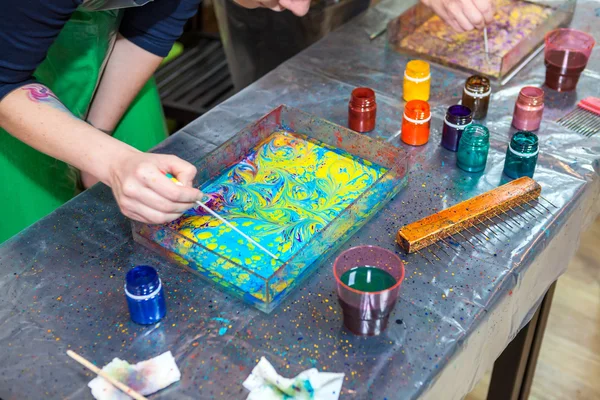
(458, 117)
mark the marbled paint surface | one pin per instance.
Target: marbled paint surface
(281, 194)
(513, 21)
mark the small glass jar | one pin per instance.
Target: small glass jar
(529, 109)
(362, 110)
(521, 155)
(476, 95)
(473, 148)
(145, 297)
(417, 81)
(415, 123)
(458, 117)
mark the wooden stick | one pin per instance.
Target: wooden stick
(442, 224)
(485, 42)
(223, 220)
(121, 386)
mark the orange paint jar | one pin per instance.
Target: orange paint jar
(415, 123)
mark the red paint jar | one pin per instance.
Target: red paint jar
(415, 123)
(362, 110)
(529, 109)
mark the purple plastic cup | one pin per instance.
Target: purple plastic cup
(367, 310)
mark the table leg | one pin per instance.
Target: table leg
(514, 370)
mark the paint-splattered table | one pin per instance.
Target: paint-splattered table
(61, 280)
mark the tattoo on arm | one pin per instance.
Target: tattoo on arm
(41, 94)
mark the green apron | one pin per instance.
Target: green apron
(33, 184)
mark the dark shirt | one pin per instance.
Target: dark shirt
(29, 27)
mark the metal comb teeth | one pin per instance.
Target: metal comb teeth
(584, 121)
(476, 224)
(494, 227)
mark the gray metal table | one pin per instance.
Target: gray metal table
(61, 280)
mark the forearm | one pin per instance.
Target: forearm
(128, 68)
(35, 116)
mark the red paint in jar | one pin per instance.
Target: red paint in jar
(362, 110)
(529, 109)
(415, 123)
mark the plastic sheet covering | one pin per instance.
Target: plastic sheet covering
(61, 284)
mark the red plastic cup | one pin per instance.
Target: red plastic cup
(566, 55)
(366, 313)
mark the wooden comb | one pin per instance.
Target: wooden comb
(461, 216)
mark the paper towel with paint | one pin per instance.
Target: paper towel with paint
(145, 377)
(265, 384)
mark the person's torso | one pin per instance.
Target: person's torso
(98, 5)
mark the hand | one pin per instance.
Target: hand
(145, 194)
(298, 7)
(463, 15)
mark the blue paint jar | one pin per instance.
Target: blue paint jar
(473, 148)
(457, 119)
(521, 155)
(145, 297)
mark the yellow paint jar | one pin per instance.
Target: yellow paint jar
(417, 81)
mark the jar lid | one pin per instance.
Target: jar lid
(524, 142)
(531, 96)
(417, 110)
(458, 111)
(417, 69)
(476, 135)
(362, 97)
(478, 84)
(458, 116)
(142, 280)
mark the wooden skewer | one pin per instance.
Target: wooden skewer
(121, 386)
(223, 220)
(485, 44)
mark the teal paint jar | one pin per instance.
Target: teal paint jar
(521, 155)
(473, 148)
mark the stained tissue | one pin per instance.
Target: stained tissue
(145, 377)
(282, 193)
(513, 22)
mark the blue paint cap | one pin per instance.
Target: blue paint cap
(145, 296)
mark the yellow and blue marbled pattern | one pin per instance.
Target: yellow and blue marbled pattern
(281, 194)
